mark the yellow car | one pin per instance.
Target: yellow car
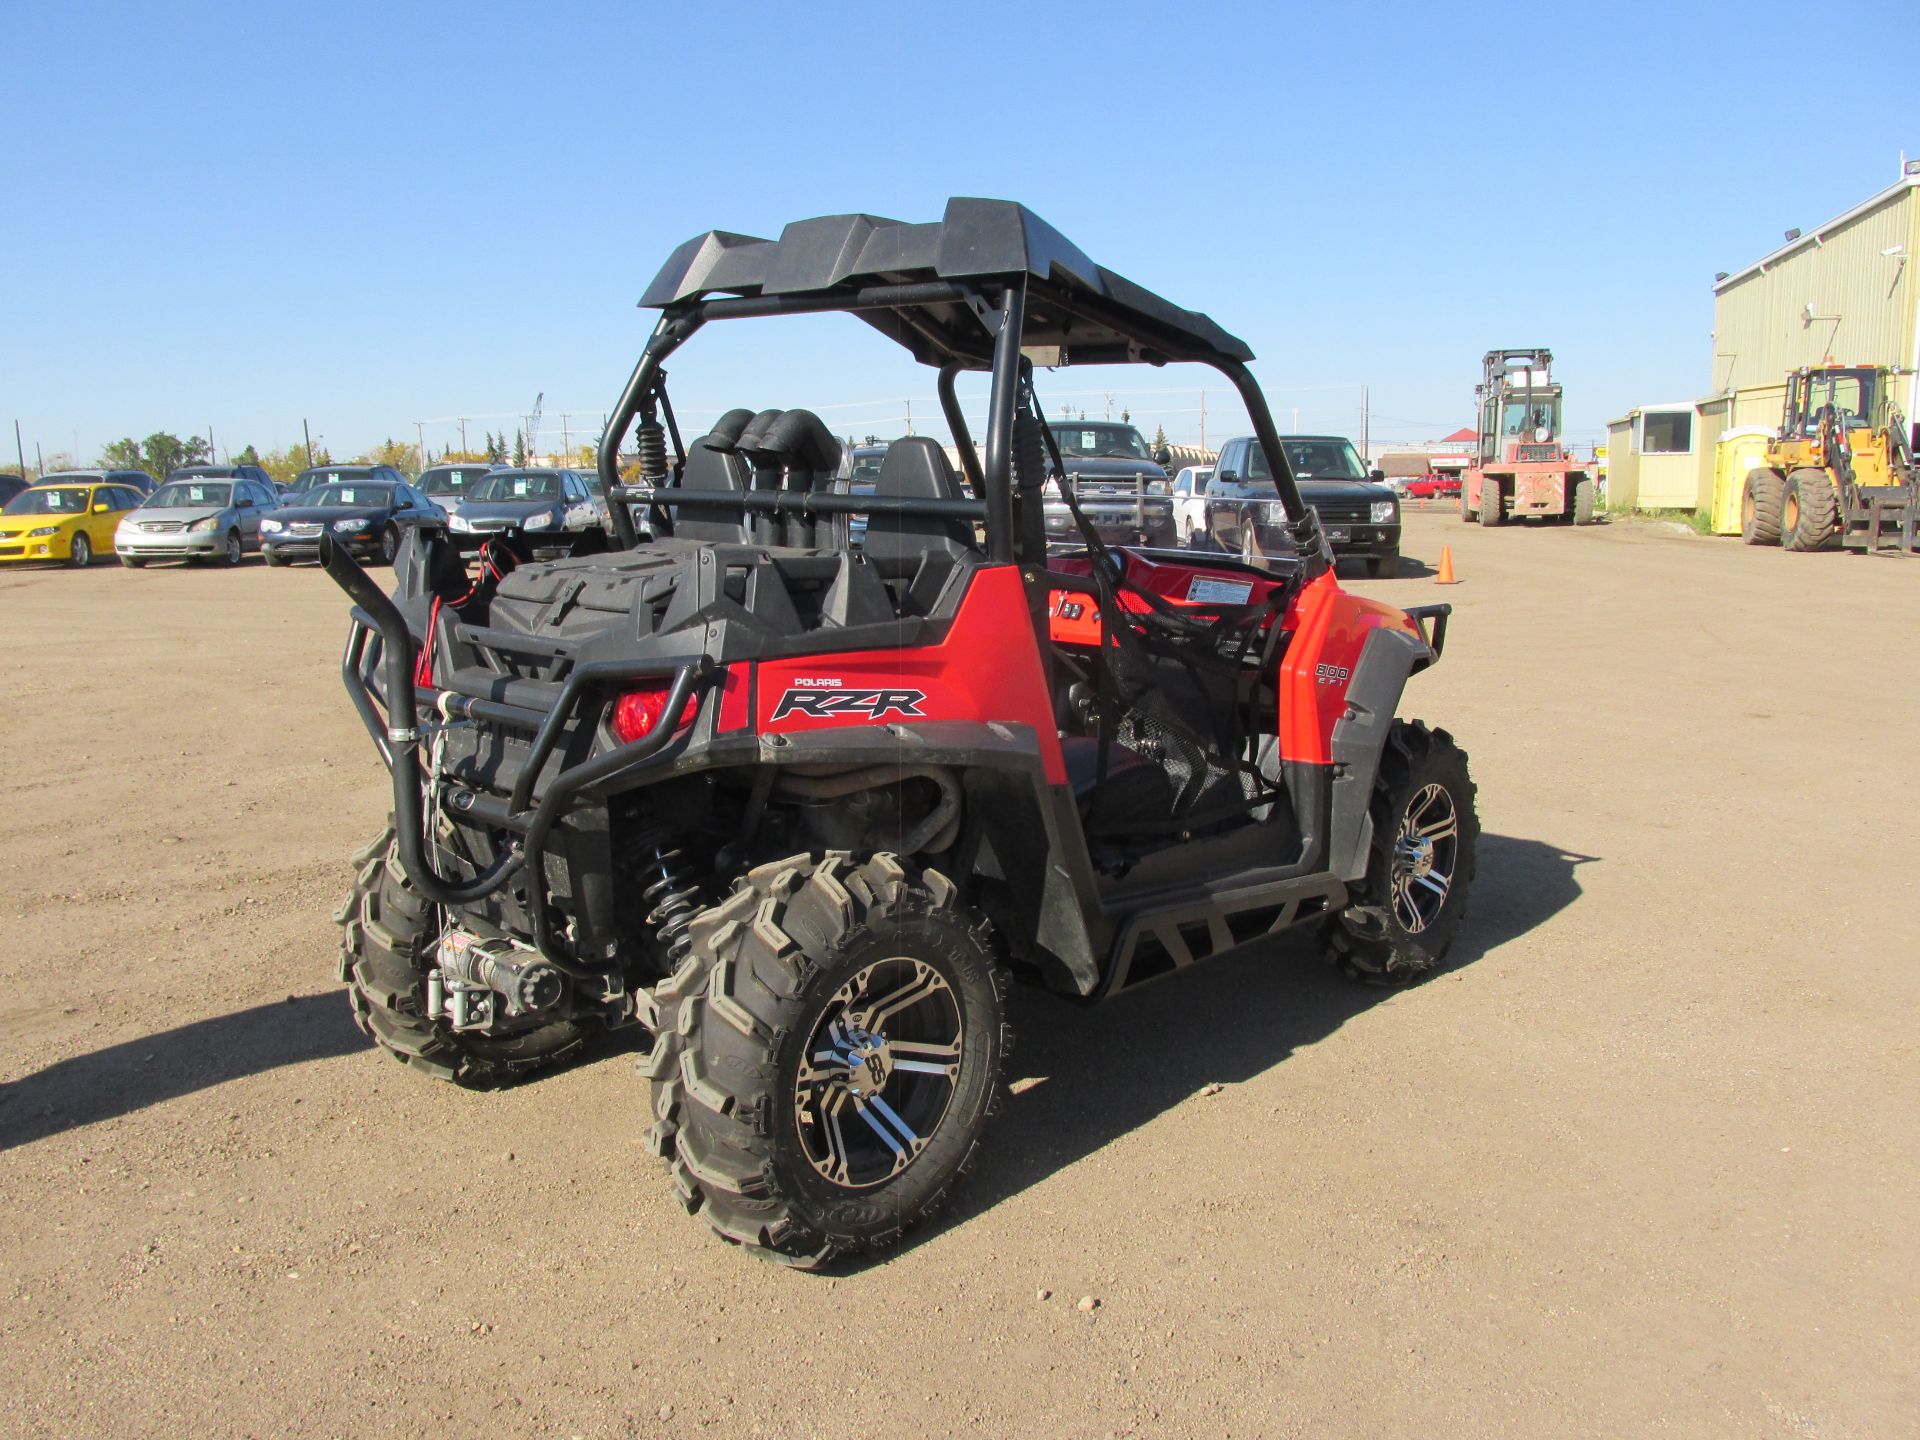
(73, 523)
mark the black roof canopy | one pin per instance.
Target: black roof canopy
(1093, 315)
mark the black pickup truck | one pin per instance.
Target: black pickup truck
(1119, 485)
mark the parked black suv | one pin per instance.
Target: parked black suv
(1359, 513)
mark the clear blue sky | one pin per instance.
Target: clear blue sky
(239, 215)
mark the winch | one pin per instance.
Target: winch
(478, 972)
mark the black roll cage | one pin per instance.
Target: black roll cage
(1000, 305)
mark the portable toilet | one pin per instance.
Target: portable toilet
(1738, 451)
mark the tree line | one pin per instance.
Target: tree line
(163, 452)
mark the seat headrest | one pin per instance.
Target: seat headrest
(711, 465)
(896, 544)
(919, 467)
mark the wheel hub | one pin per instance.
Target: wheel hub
(1416, 855)
(866, 1057)
(878, 1072)
(1425, 852)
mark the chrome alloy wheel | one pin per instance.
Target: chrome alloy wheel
(1425, 853)
(878, 1072)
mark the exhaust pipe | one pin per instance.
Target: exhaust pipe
(403, 737)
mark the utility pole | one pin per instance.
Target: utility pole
(463, 437)
(1109, 414)
(1366, 451)
(39, 460)
(420, 431)
(1203, 419)
(213, 452)
(909, 416)
(1296, 419)
(21, 450)
(304, 430)
(566, 439)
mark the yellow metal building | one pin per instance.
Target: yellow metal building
(1846, 292)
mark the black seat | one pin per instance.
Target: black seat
(897, 542)
(715, 464)
(1136, 795)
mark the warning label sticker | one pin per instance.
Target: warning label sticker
(1211, 590)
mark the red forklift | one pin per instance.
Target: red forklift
(1520, 467)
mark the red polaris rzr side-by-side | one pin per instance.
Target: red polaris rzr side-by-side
(799, 799)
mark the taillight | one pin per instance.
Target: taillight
(639, 712)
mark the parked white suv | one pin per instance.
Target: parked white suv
(1189, 503)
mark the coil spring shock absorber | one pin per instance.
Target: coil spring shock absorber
(651, 441)
(1029, 451)
(669, 895)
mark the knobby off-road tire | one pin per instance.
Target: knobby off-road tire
(387, 931)
(1583, 503)
(1407, 909)
(796, 991)
(1493, 510)
(1809, 512)
(1467, 512)
(1761, 500)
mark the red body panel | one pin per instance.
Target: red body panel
(1330, 628)
(734, 713)
(1199, 587)
(986, 669)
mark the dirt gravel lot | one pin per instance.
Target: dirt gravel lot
(1644, 1161)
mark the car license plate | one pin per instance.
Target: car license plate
(1339, 532)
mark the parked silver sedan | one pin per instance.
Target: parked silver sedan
(195, 519)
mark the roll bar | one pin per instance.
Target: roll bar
(992, 484)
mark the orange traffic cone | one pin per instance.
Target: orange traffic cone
(1445, 576)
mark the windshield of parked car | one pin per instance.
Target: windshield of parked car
(184, 494)
(453, 482)
(1331, 459)
(1088, 438)
(518, 487)
(61, 500)
(866, 468)
(331, 475)
(205, 471)
(1323, 460)
(342, 497)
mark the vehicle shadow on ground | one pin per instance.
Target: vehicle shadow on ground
(1410, 567)
(153, 1069)
(1104, 1071)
